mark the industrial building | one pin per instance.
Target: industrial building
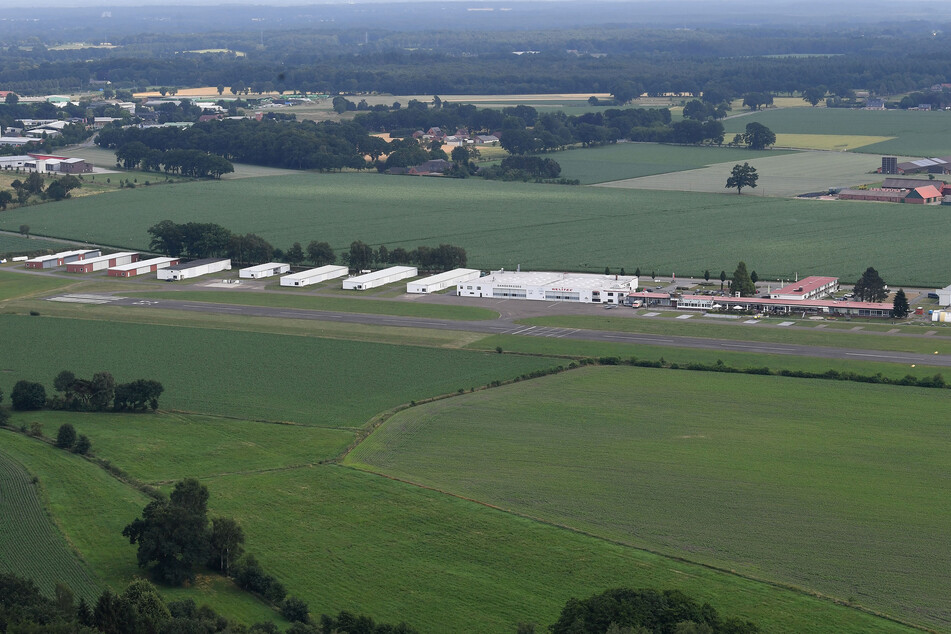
(61, 258)
(538, 285)
(139, 268)
(269, 269)
(313, 276)
(195, 268)
(379, 278)
(944, 296)
(813, 287)
(102, 262)
(435, 283)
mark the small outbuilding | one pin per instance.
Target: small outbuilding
(379, 278)
(435, 283)
(195, 268)
(269, 269)
(313, 276)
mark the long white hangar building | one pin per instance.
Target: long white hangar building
(379, 278)
(538, 285)
(314, 276)
(436, 283)
(195, 268)
(269, 269)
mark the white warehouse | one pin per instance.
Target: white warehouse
(566, 287)
(195, 268)
(379, 278)
(264, 270)
(442, 281)
(313, 276)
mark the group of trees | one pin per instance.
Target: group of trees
(441, 258)
(35, 185)
(756, 137)
(98, 394)
(324, 146)
(191, 163)
(522, 168)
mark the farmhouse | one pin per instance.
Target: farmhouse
(442, 281)
(813, 287)
(195, 268)
(61, 258)
(264, 270)
(379, 278)
(139, 268)
(313, 276)
(89, 265)
(538, 285)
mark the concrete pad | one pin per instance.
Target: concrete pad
(932, 332)
(787, 323)
(857, 328)
(684, 316)
(751, 321)
(821, 326)
(651, 314)
(892, 331)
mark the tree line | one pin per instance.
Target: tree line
(191, 163)
(35, 185)
(99, 394)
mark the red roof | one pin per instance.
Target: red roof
(928, 191)
(43, 157)
(806, 285)
(646, 295)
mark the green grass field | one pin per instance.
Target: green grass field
(31, 545)
(916, 133)
(19, 285)
(341, 304)
(747, 332)
(324, 382)
(632, 160)
(832, 487)
(507, 224)
(779, 175)
(343, 539)
(91, 508)
(20, 245)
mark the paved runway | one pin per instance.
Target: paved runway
(507, 326)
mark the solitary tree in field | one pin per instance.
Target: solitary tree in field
(742, 176)
(66, 436)
(25, 230)
(870, 287)
(900, 305)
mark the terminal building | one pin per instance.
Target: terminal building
(538, 285)
(813, 287)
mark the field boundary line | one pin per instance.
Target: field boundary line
(775, 584)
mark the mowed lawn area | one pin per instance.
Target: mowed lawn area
(15, 285)
(915, 133)
(779, 175)
(541, 227)
(631, 160)
(832, 487)
(324, 382)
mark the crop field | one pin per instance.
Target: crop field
(152, 450)
(914, 133)
(537, 226)
(91, 508)
(830, 142)
(756, 474)
(31, 545)
(324, 382)
(632, 160)
(784, 175)
(17, 245)
(382, 547)
(343, 304)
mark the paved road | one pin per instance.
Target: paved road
(508, 326)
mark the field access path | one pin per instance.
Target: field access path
(506, 326)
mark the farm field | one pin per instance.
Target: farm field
(91, 508)
(785, 175)
(830, 142)
(32, 545)
(747, 332)
(914, 133)
(850, 506)
(395, 551)
(511, 224)
(323, 382)
(152, 450)
(343, 304)
(20, 245)
(632, 160)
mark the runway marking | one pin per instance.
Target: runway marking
(883, 356)
(523, 330)
(79, 298)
